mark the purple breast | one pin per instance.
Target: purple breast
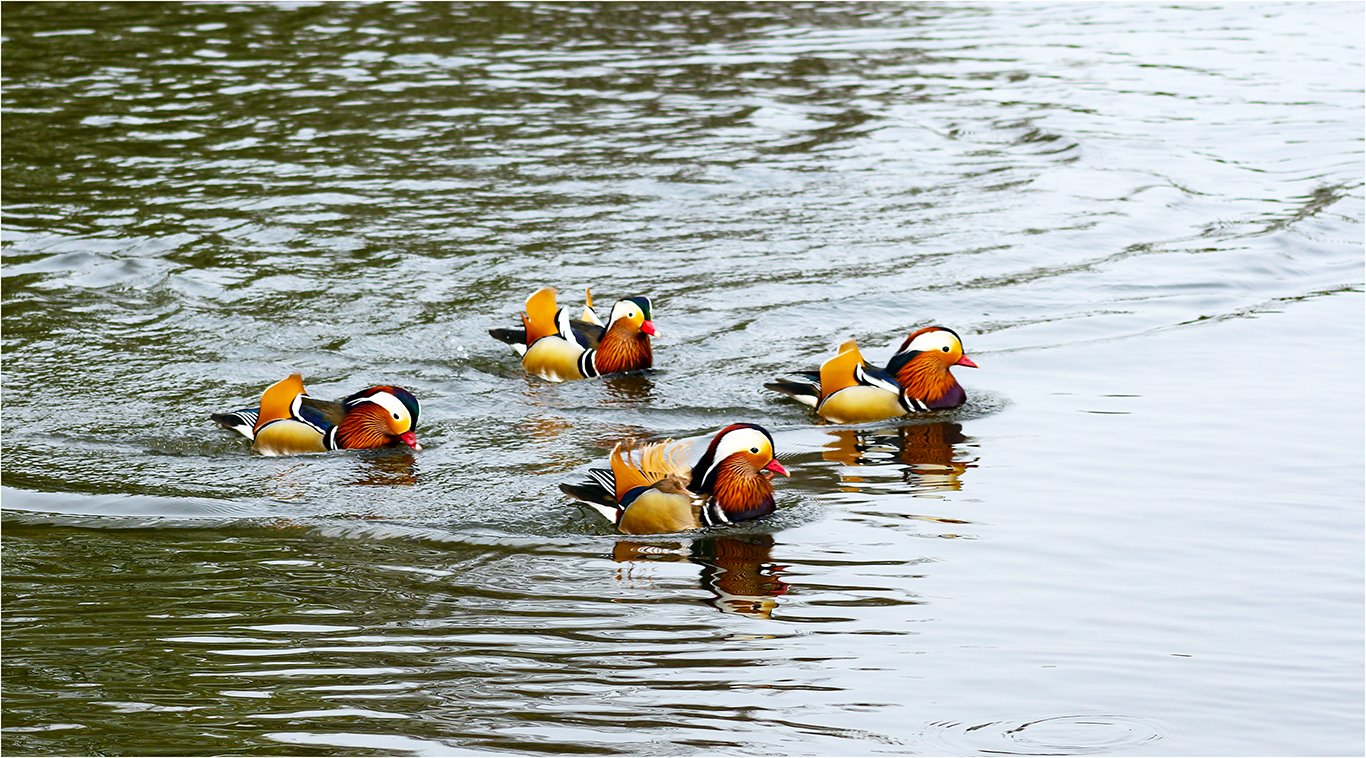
(951, 399)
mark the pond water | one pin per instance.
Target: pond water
(1143, 534)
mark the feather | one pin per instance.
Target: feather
(646, 466)
(924, 377)
(623, 348)
(287, 436)
(589, 316)
(241, 421)
(514, 337)
(329, 411)
(603, 478)
(805, 392)
(541, 317)
(841, 371)
(278, 401)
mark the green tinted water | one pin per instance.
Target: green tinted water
(1142, 534)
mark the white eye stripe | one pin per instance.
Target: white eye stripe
(739, 441)
(624, 309)
(392, 404)
(935, 340)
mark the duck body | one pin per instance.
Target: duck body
(649, 490)
(558, 348)
(847, 390)
(289, 422)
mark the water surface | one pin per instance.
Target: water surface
(1142, 535)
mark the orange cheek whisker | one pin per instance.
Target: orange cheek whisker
(620, 350)
(926, 379)
(363, 429)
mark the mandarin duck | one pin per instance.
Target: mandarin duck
(288, 421)
(555, 347)
(847, 390)
(650, 490)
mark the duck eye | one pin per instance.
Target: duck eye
(396, 417)
(754, 450)
(945, 348)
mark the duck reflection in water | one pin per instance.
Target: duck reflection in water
(387, 470)
(631, 389)
(299, 480)
(928, 452)
(737, 570)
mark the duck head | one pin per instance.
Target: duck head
(746, 444)
(940, 341)
(379, 417)
(636, 311)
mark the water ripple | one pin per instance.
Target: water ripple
(1087, 734)
(201, 198)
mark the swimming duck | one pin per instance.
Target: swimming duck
(650, 490)
(555, 347)
(847, 390)
(288, 421)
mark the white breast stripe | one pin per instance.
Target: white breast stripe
(586, 365)
(713, 515)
